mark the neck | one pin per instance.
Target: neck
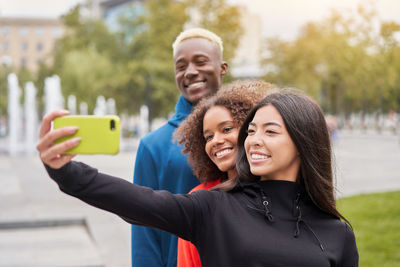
(289, 179)
(232, 173)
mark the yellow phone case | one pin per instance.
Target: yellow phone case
(100, 134)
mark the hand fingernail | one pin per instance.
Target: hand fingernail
(72, 128)
(64, 112)
(75, 140)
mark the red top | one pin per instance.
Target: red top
(187, 252)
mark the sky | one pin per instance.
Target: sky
(281, 18)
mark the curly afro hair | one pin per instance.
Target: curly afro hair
(239, 98)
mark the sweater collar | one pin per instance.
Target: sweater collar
(282, 196)
(182, 109)
(280, 190)
(283, 199)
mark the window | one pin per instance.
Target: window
(24, 62)
(23, 31)
(39, 31)
(6, 60)
(39, 47)
(5, 46)
(5, 30)
(56, 32)
(24, 46)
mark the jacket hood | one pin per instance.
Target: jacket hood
(182, 109)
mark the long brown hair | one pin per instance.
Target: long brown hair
(306, 125)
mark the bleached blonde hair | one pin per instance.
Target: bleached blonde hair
(198, 33)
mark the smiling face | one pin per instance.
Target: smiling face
(270, 151)
(221, 133)
(198, 68)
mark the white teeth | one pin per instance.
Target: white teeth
(223, 152)
(195, 84)
(258, 156)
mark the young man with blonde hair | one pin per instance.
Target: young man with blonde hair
(197, 55)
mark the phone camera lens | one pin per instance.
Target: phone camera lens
(112, 125)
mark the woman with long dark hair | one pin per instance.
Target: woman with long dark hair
(278, 211)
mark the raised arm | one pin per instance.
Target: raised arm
(177, 214)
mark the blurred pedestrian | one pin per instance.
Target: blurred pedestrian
(333, 128)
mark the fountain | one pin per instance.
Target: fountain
(31, 118)
(110, 106)
(83, 108)
(101, 107)
(71, 103)
(143, 121)
(14, 115)
(52, 94)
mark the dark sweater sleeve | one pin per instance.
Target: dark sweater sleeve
(174, 213)
(350, 252)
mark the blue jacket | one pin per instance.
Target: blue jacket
(160, 164)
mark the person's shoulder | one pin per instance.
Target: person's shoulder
(336, 224)
(159, 135)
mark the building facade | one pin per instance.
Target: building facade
(27, 42)
(246, 63)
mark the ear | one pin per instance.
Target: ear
(224, 68)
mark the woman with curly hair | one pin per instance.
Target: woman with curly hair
(209, 135)
(279, 210)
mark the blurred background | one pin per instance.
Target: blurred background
(115, 57)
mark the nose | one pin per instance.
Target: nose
(217, 140)
(253, 140)
(191, 71)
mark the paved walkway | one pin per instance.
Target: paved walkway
(40, 226)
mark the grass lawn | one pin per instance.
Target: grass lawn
(376, 222)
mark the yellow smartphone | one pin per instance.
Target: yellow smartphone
(100, 134)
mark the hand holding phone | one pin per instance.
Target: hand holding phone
(99, 134)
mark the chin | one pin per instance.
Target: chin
(256, 173)
(223, 168)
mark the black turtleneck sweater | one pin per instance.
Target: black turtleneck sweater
(268, 223)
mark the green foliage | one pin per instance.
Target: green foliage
(87, 73)
(375, 220)
(342, 62)
(87, 59)
(222, 19)
(24, 76)
(150, 51)
(4, 71)
(149, 54)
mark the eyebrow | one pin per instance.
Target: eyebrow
(199, 54)
(266, 124)
(219, 125)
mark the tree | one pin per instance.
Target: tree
(221, 18)
(390, 64)
(149, 54)
(89, 74)
(4, 71)
(342, 61)
(150, 51)
(87, 59)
